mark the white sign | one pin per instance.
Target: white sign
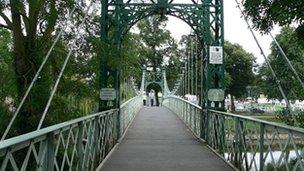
(216, 95)
(107, 94)
(216, 55)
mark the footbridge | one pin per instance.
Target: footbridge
(179, 134)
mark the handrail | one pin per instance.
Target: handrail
(35, 134)
(128, 101)
(31, 135)
(244, 142)
(71, 142)
(184, 100)
(274, 124)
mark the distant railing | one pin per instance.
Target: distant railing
(79, 144)
(246, 143)
(129, 110)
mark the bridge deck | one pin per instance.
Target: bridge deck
(158, 140)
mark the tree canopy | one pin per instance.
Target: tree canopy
(265, 14)
(290, 44)
(239, 68)
(29, 28)
(159, 48)
(27, 31)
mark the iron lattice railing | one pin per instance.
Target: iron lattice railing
(80, 144)
(244, 142)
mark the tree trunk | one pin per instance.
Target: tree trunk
(27, 63)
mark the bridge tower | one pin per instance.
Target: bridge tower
(154, 77)
(205, 17)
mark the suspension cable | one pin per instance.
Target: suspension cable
(62, 70)
(36, 76)
(287, 60)
(266, 59)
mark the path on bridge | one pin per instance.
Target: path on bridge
(159, 140)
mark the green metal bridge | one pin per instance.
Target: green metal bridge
(179, 135)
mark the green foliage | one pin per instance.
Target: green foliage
(265, 14)
(27, 32)
(285, 117)
(239, 66)
(288, 41)
(23, 49)
(6, 66)
(159, 48)
(7, 78)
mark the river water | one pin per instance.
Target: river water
(273, 157)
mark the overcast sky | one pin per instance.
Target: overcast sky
(236, 30)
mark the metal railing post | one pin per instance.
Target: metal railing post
(96, 150)
(118, 124)
(47, 154)
(262, 130)
(87, 147)
(237, 144)
(195, 125)
(79, 146)
(191, 116)
(222, 137)
(42, 155)
(202, 129)
(207, 126)
(50, 153)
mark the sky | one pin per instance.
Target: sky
(236, 30)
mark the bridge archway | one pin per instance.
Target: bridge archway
(157, 88)
(205, 17)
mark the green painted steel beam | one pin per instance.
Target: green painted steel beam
(205, 18)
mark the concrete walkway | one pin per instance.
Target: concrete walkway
(158, 140)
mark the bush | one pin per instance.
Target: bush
(287, 117)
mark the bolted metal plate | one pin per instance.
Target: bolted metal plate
(107, 94)
(216, 95)
(216, 55)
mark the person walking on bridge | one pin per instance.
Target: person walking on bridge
(152, 98)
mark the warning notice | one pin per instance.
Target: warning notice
(216, 55)
(107, 94)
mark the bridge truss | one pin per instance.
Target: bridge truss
(205, 17)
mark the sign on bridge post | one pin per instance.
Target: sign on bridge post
(108, 94)
(216, 55)
(216, 95)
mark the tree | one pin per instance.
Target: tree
(33, 25)
(131, 63)
(159, 47)
(7, 78)
(265, 14)
(239, 67)
(290, 44)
